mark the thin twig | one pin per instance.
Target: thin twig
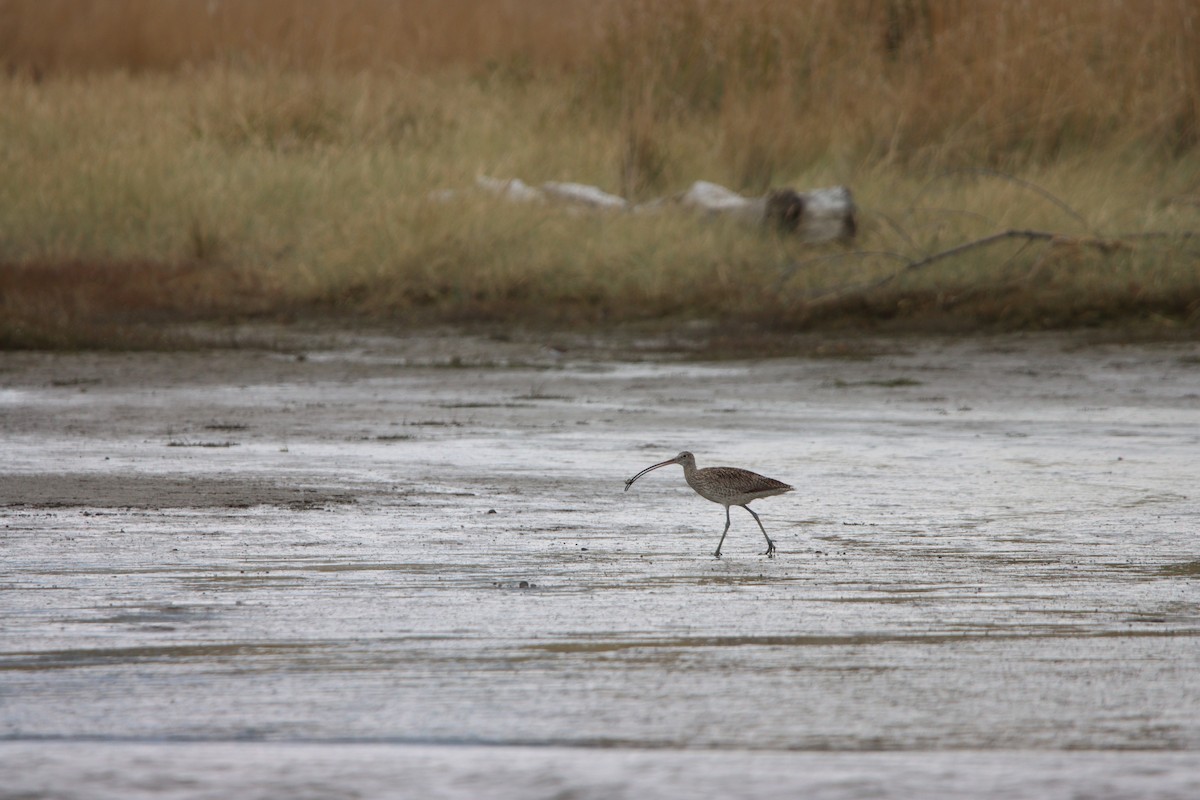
(975, 243)
(898, 228)
(993, 173)
(1101, 244)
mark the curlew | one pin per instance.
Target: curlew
(727, 486)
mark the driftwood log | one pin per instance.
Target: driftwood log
(818, 215)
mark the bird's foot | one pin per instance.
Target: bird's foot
(717, 554)
(770, 549)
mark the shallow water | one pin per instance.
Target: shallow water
(412, 560)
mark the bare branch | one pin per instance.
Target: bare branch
(1102, 244)
(976, 243)
(1031, 186)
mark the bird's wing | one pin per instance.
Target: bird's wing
(744, 481)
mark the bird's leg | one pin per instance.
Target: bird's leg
(718, 553)
(770, 545)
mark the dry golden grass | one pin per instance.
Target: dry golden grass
(933, 80)
(211, 159)
(50, 36)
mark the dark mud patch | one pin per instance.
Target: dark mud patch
(67, 490)
(1187, 569)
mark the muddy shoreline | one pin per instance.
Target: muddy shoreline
(424, 542)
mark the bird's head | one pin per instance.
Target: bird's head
(684, 459)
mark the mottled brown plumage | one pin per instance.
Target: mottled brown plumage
(727, 486)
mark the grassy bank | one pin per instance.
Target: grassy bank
(276, 159)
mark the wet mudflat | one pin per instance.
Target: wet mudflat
(409, 562)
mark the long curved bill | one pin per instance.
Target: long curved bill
(668, 463)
